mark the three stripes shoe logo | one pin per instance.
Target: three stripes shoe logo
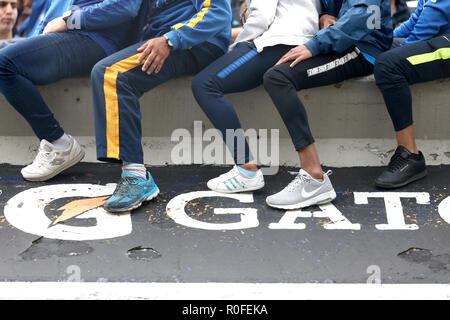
(235, 184)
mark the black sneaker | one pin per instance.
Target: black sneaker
(404, 168)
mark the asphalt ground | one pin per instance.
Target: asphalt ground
(58, 231)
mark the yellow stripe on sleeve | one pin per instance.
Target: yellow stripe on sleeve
(193, 22)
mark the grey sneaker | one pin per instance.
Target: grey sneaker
(303, 191)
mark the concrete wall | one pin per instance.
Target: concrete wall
(349, 120)
(353, 109)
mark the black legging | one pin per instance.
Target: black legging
(282, 83)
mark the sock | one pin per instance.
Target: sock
(246, 173)
(137, 169)
(62, 143)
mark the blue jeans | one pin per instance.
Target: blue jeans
(42, 60)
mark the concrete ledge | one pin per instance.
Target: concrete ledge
(353, 109)
(332, 152)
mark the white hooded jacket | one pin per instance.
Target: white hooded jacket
(274, 22)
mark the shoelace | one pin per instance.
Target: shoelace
(396, 162)
(299, 180)
(123, 185)
(42, 157)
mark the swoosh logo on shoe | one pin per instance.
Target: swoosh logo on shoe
(306, 194)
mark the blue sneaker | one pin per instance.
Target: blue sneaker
(130, 192)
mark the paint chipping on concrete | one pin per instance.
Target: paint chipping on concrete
(435, 263)
(139, 253)
(416, 255)
(43, 248)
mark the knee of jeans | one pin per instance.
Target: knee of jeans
(6, 65)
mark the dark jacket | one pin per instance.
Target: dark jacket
(366, 24)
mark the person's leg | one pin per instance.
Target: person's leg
(406, 138)
(282, 83)
(117, 83)
(39, 61)
(239, 70)
(397, 42)
(395, 70)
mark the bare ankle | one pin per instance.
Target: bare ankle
(249, 166)
(315, 173)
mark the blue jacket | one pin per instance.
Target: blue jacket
(356, 26)
(33, 22)
(52, 10)
(186, 22)
(431, 18)
(108, 22)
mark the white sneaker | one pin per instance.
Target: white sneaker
(302, 192)
(233, 181)
(49, 162)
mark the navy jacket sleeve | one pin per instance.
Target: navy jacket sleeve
(351, 27)
(106, 14)
(212, 17)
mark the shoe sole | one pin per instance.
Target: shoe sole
(399, 185)
(323, 198)
(239, 191)
(154, 194)
(67, 165)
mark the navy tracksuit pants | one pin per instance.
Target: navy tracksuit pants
(241, 69)
(118, 82)
(398, 68)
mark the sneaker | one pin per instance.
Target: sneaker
(302, 192)
(49, 161)
(233, 181)
(404, 168)
(131, 192)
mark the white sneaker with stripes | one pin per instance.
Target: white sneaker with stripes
(233, 181)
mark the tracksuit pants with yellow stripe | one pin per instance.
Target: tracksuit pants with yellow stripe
(118, 82)
(398, 68)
